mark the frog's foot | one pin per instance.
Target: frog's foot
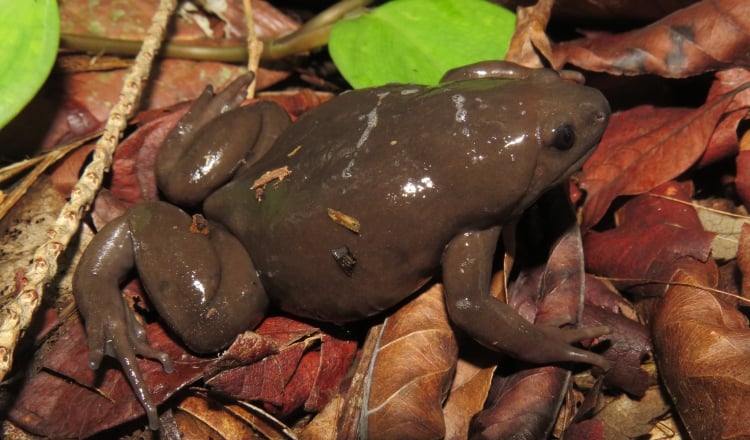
(120, 335)
(467, 265)
(557, 344)
(214, 140)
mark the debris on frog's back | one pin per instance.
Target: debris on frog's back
(269, 176)
(344, 220)
(345, 259)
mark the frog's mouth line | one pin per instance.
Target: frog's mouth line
(574, 166)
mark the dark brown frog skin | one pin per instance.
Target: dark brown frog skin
(430, 173)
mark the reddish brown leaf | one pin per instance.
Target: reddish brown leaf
(133, 178)
(336, 356)
(652, 233)
(285, 331)
(702, 345)
(588, 429)
(525, 402)
(709, 35)
(664, 148)
(249, 347)
(412, 371)
(294, 378)
(724, 142)
(93, 401)
(264, 380)
(628, 346)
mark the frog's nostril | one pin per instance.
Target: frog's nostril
(600, 117)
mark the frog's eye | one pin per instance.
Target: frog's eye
(563, 137)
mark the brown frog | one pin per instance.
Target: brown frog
(430, 174)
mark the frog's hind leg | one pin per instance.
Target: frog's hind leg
(203, 285)
(213, 140)
(198, 276)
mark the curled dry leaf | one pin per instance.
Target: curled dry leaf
(412, 371)
(467, 396)
(724, 142)
(643, 148)
(530, 40)
(201, 415)
(709, 35)
(703, 344)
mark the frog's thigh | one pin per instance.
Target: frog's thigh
(197, 158)
(204, 286)
(467, 266)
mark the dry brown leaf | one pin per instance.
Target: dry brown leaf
(709, 35)
(634, 418)
(201, 416)
(467, 396)
(703, 346)
(412, 371)
(25, 228)
(743, 259)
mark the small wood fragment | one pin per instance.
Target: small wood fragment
(199, 225)
(295, 151)
(344, 220)
(269, 176)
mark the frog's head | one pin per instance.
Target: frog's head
(538, 126)
(572, 119)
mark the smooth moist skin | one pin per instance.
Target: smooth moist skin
(427, 174)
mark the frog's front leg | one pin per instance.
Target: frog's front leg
(214, 140)
(467, 267)
(204, 286)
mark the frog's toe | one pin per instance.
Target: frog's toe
(96, 347)
(557, 345)
(571, 335)
(123, 346)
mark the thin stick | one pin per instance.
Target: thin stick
(254, 47)
(15, 317)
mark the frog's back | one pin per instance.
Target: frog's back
(414, 166)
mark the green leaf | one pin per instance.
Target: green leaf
(417, 41)
(29, 34)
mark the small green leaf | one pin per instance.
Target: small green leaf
(417, 41)
(29, 34)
